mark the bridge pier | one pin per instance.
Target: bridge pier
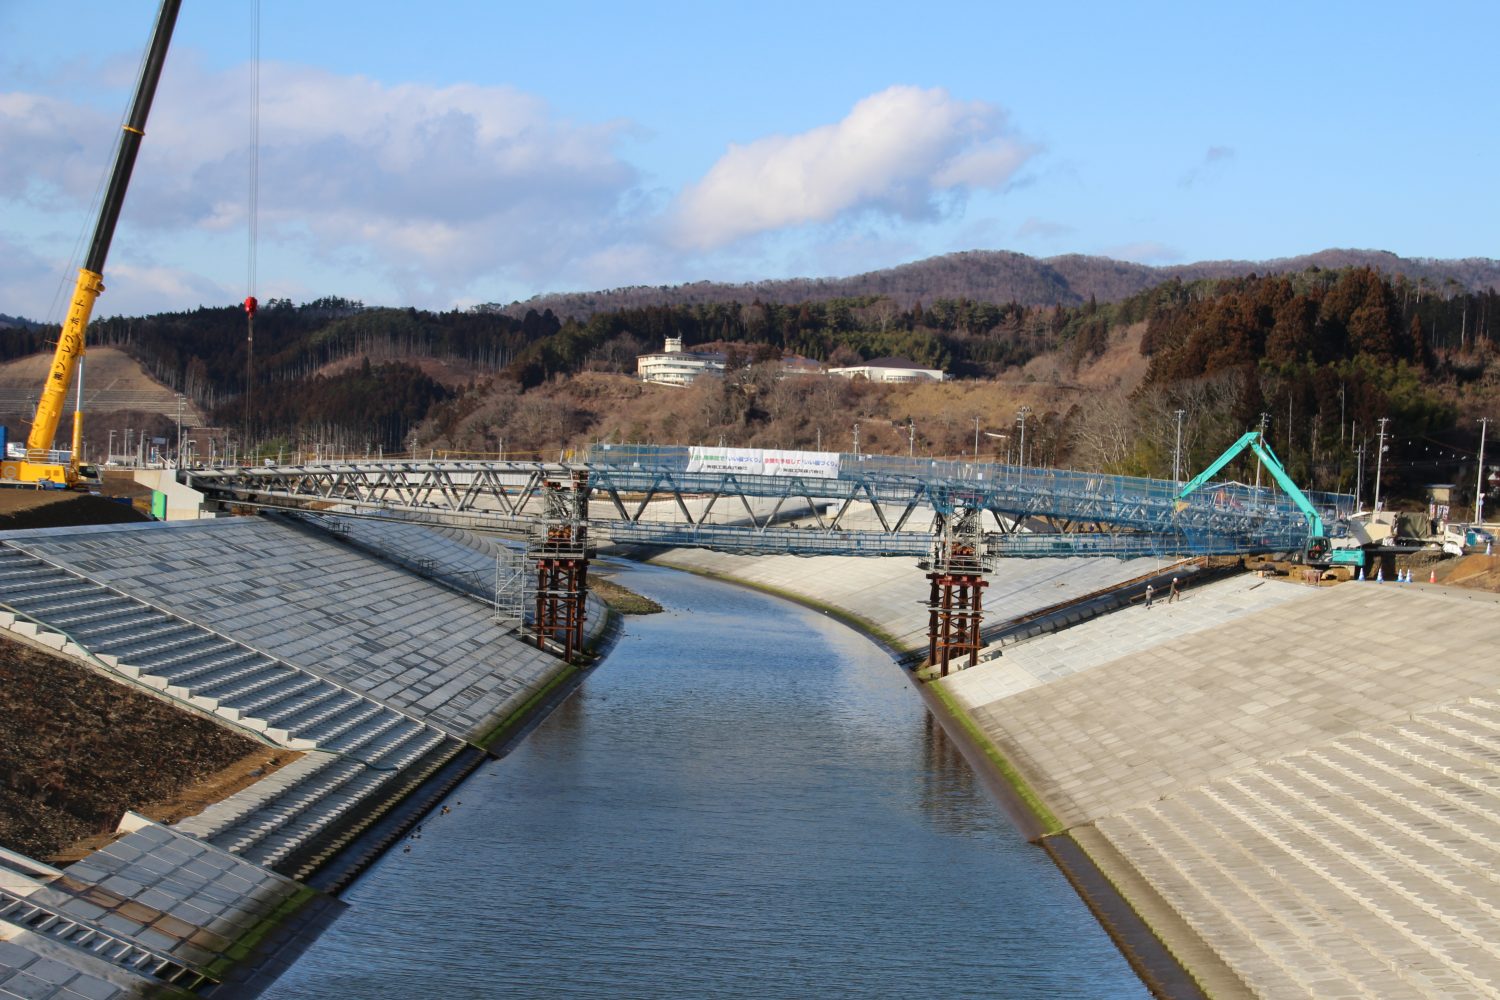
(559, 548)
(955, 603)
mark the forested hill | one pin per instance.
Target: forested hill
(1317, 348)
(1000, 276)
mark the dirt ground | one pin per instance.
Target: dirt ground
(77, 749)
(1477, 572)
(30, 508)
(110, 371)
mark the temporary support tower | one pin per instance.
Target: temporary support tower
(955, 603)
(559, 548)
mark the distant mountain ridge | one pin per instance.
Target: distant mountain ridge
(1001, 276)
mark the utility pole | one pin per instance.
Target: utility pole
(1264, 418)
(911, 438)
(180, 399)
(976, 440)
(1380, 461)
(1359, 471)
(856, 439)
(1484, 425)
(1021, 456)
(1288, 428)
(1177, 454)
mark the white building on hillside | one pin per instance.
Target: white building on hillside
(890, 370)
(674, 366)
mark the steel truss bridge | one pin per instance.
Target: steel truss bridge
(877, 506)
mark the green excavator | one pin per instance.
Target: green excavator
(1319, 549)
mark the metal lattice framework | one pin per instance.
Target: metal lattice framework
(646, 495)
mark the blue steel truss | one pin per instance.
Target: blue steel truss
(1041, 512)
(1220, 517)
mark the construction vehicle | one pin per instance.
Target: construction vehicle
(40, 465)
(1320, 549)
(1466, 539)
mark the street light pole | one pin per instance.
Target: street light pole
(1380, 461)
(1021, 452)
(1001, 437)
(1484, 425)
(1177, 455)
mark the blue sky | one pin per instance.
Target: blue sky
(444, 154)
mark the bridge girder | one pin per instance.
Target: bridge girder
(1128, 516)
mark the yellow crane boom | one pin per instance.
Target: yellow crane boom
(43, 466)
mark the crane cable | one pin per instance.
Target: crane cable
(253, 220)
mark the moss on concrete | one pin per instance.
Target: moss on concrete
(520, 715)
(1024, 792)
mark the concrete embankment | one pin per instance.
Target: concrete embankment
(390, 680)
(1295, 788)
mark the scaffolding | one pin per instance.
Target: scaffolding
(514, 588)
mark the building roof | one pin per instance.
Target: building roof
(907, 363)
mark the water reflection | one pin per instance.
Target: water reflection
(951, 795)
(746, 800)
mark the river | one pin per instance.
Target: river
(745, 800)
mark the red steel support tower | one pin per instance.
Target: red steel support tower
(955, 604)
(559, 548)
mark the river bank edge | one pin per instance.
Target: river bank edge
(1170, 959)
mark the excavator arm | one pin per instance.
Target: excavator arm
(1317, 543)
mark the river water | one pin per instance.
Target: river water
(745, 800)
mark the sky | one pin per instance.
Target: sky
(448, 153)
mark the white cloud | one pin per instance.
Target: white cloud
(427, 195)
(427, 188)
(900, 152)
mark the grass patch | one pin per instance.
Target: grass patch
(622, 599)
(1007, 771)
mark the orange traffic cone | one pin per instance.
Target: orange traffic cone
(1432, 576)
